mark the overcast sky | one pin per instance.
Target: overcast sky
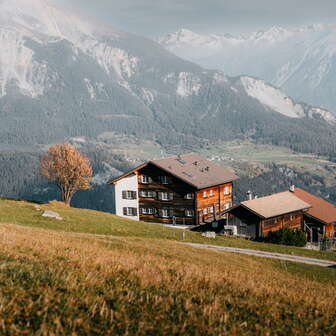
(157, 17)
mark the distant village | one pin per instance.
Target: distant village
(190, 191)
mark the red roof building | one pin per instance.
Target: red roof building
(321, 217)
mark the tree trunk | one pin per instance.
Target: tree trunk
(66, 198)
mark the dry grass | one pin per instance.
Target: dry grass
(94, 222)
(55, 283)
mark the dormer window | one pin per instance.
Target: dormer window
(211, 193)
(205, 194)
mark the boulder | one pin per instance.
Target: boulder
(209, 234)
(52, 214)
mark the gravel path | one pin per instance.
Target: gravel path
(271, 255)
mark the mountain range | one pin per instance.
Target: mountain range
(66, 78)
(300, 61)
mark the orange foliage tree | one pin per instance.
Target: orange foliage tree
(65, 166)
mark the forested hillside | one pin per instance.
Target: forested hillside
(79, 81)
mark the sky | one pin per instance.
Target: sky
(153, 18)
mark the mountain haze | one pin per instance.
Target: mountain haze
(301, 61)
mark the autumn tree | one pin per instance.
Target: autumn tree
(65, 166)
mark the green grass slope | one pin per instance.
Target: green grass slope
(100, 223)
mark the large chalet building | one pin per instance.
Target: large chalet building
(183, 189)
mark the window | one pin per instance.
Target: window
(189, 196)
(291, 217)
(131, 212)
(147, 194)
(166, 213)
(165, 196)
(227, 205)
(189, 213)
(129, 195)
(164, 179)
(205, 211)
(145, 179)
(148, 211)
(227, 190)
(205, 194)
(211, 193)
(211, 210)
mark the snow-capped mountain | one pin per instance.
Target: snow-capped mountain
(301, 61)
(62, 76)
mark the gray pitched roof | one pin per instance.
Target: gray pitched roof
(190, 168)
(195, 170)
(276, 204)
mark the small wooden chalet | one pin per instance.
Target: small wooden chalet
(257, 217)
(183, 189)
(320, 218)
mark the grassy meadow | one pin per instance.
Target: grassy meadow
(99, 223)
(59, 278)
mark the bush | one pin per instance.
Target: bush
(288, 237)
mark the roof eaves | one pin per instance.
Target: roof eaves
(256, 213)
(115, 180)
(319, 219)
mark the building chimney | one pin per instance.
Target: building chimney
(249, 195)
(292, 188)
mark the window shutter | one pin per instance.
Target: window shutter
(125, 211)
(171, 213)
(159, 195)
(124, 194)
(171, 196)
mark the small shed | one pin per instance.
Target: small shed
(256, 218)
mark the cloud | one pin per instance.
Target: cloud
(154, 17)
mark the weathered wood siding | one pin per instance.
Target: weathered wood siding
(247, 223)
(292, 221)
(177, 206)
(216, 198)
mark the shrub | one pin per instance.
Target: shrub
(286, 236)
